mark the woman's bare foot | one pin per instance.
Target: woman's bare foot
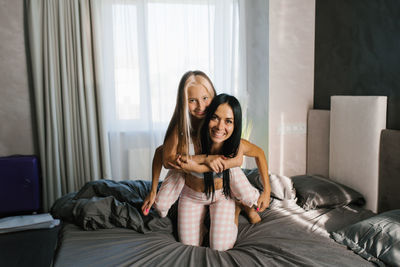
(252, 214)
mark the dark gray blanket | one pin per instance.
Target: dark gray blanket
(106, 204)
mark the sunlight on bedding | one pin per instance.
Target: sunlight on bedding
(313, 221)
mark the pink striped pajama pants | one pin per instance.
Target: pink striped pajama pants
(191, 209)
(191, 213)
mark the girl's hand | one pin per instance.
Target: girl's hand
(175, 164)
(148, 202)
(263, 201)
(186, 163)
(216, 163)
(183, 158)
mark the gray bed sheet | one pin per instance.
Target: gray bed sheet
(286, 236)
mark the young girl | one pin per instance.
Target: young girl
(220, 135)
(195, 93)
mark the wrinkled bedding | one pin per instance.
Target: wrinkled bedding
(286, 236)
(106, 204)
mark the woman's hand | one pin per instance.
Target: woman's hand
(263, 201)
(148, 202)
(216, 163)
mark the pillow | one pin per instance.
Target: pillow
(376, 239)
(314, 192)
(281, 186)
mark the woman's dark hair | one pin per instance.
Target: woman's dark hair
(230, 146)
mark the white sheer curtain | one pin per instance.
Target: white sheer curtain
(146, 47)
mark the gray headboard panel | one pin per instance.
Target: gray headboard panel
(389, 170)
(318, 126)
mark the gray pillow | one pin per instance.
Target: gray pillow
(315, 192)
(376, 239)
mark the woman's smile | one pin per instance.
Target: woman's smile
(217, 134)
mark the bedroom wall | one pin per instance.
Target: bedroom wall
(257, 31)
(291, 68)
(16, 136)
(357, 52)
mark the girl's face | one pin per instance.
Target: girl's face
(221, 124)
(198, 100)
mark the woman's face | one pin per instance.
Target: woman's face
(198, 100)
(221, 125)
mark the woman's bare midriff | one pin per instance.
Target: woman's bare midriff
(197, 184)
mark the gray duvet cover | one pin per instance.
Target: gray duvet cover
(106, 229)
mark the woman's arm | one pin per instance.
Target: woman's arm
(252, 150)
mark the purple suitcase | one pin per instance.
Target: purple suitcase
(19, 184)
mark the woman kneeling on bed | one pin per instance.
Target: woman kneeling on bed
(220, 134)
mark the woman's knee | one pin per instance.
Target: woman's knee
(223, 230)
(224, 238)
(191, 215)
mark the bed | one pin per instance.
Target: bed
(312, 220)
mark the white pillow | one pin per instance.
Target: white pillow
(282, 187)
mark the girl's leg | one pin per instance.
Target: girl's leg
(169, 192)
(251, 213)
(242, 189)
(245, 193)
(238, 208)
(191, 213)
(223, 230)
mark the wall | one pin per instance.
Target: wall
(291, 65)
(357, 52)
(16, 135)
(256, 15)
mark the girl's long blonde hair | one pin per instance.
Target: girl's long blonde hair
(181, 116)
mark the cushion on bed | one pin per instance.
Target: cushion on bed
(376, 239)
(281, 186)
(315, 191)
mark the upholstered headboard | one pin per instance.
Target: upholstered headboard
(349, 144)
(355, 127)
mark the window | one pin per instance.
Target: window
(147, 46)
(155, 43)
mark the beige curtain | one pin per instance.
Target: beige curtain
(71, 142)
